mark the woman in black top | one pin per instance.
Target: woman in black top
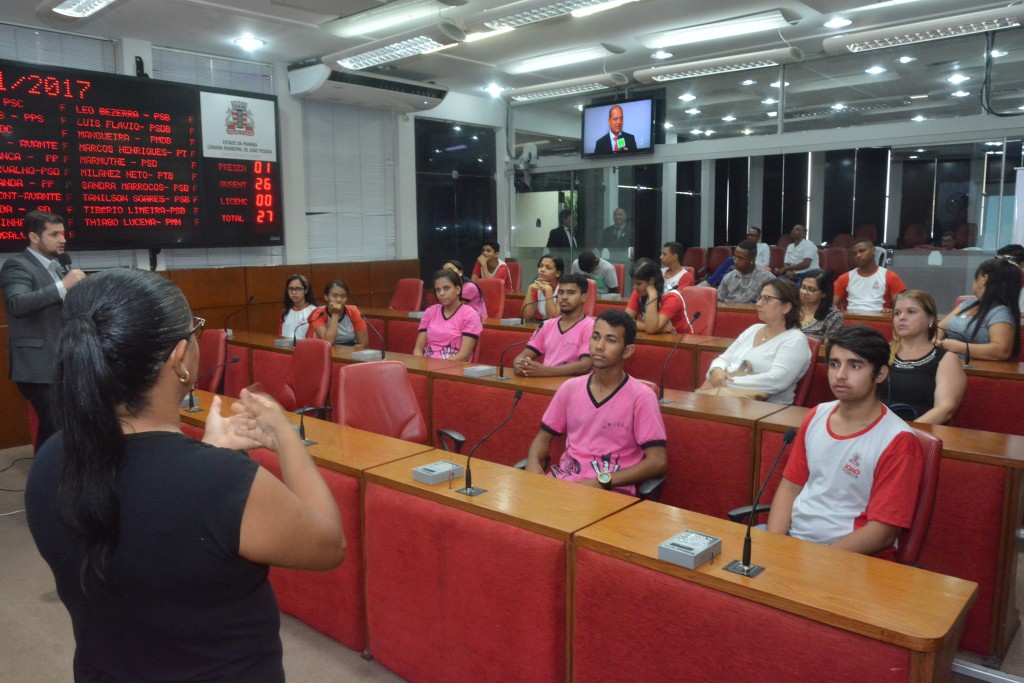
(160, 544)
(925, 384)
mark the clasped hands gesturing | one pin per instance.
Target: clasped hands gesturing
(257, 420)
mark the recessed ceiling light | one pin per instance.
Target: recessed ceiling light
(919, 150)
(668, 125)
(1021, 108)
(919, 97)
(661, 54)
(749, 81)
(579, 107)
(957, 79)
(875, 70)
(776, 84)
(687, 97)
(993, 144)
(907, 60)
(248, 42)
(839, 106)
(837, 22)
(456, 128)
(696, 131)
(769, 100)
(998, 53)
(912, 156)
(494, 90)
(709, 132)
(961, 93)
(747, 131)
(918, 118)
(80, 9)
(475, 137)
(693, 111)
(773, 114)
(729, 119)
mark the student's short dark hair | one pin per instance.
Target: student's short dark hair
(563, 214)
(455, 262)
(616, 318)
(492, 244)
(35, 221)
(674, 247)
(581, 281)
(747, 245)
(862, 240)
(754, 227)
(862, 340)
(588, 261)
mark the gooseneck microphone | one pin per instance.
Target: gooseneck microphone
(380, 338)
(967, 346)
(295, 334)
(743, 566)
(501, 358)
(236, 312)
(302, 421)
(469, 489)
(192, 407)
(664, 369)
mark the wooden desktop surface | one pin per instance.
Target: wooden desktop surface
(886, 601)
(343, 449)
(534, 502)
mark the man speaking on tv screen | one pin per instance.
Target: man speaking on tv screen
(616, 141)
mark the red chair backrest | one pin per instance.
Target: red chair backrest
(868, 231)
(914, 236)
(695, 257)
(515, 271)
(911, 540)
(803, 387)
(784, 240)
(705, 300)
(620, 275)
(649, 384)
(494, 296)
(408, 295)
(777, 256)
(837, 260)
(843, 239)
(717, 257)
(213, 347)
(590, 303)
(966, 235)
(379, 398)
(309, 375)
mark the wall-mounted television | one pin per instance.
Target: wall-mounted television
(625, 127)
(133, 163)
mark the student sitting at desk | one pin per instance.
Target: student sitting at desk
(489, 265)
(449, 329)
(470, 292)
(855, 471)
(563, 341)
(541, 301)
(660, 313)
(298, 305)
(337, 322)
(990, 321)
(868, 287)
(598, 270)
(615, 436)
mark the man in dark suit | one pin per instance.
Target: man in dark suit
(617, 235)
(34, 284)
(616, 140)
(563, 237)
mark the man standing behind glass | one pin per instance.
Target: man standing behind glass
(35, 284)
(616, 141)
(618, 235)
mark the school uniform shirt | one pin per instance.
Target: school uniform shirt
(296, 321)
(683, 278)
(603, 437)
(561, 347)
(672, 307)
(347, 327)
(444, 335)
(872, 475)
(537, 297)
(500, 273)
(871, 293)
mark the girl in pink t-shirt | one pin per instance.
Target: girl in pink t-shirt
(448, 329)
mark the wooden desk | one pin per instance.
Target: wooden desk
(475, 588)
(973, 531)
(858, 617)
(334, 601)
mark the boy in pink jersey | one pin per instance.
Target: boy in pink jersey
(853, 478)
(614, 434)
(563, 341)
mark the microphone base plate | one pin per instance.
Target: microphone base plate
(664, 401)
(749, 571)
(502, 378)
(471, 491)
(308, 442)
(194, 409)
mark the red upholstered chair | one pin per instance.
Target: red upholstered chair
(590, 303)
(915, 235)
(620, 275)
(837, 260)
(696, 258)
(493, 291)
(867, 231)
(213, 347)
(378, 398)
(966, 235)
(515, 271)
(705, 300)
(408, 295)
(843, 239)
(777, 257)
(803, 387)
(717, 257)
(304, 381)
(784, 240)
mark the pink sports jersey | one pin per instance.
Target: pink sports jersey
(672, 307)
(873, 475)
(562, 347)
(444, 335)
(605, 437)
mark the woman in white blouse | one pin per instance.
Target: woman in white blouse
(776, 352)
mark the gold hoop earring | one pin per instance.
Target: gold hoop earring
(186, 378)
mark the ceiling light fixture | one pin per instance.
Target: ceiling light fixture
(389, 16)
(838, 22)
(729, 118)
(875, 70)
(753, 23)
(419, 42)
(961, 93)
(747, 131)
(661, 54)
(563, 58)
(594, 9)
(692, 111)
(249, 43)
(532, 12)
(572, 86)
(707, 67)
(494, 90)
(919, 118)
(907, 60)
(687, 97)
(838, 106)
(79, 9)
(957, 79)
(996, 54)
(668, 125)
(922, 31)
(880, 5)
(481, 35)
(769, 100)
(749, 81)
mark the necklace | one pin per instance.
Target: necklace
(764, 336)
